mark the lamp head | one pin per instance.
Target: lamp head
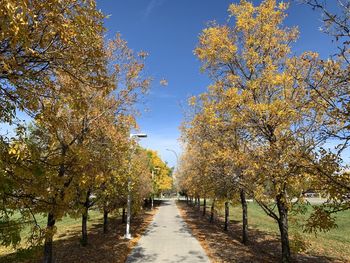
(138, 135)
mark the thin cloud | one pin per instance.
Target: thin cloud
(152, 5)
(161, 95)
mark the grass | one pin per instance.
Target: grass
(334, 242)
(65, 229)
(110, 247)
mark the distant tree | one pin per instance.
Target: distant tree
(162, 180)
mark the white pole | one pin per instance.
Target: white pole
(152, 188)
(128, 215)
(128, 209)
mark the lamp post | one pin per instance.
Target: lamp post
(177, 157)
(128, 215)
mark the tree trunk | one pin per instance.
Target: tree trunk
(84, 234)
(105, 221)
(245, 218)
(84, 237)
(204, 206)
(226, 216)
(283, 226)
(199, 203)
(187, 199)
(123, 215)
(212, 211)
(48, 239)
(195, 201)
(51, 220)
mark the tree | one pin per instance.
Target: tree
(141, 179)
(51, 167)
(162, 179)
(265, 92)
(214, 136)
(330, 82)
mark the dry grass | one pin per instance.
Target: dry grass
(222, 246)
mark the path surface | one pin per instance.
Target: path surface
(168, 239)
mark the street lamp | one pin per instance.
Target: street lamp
(177, 157)
(128, 215)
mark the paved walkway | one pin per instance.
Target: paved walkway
(168, 239)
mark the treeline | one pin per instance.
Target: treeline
(79, 92)
(261, 129)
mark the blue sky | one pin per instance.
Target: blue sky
(168, 30)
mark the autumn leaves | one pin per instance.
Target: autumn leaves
(79, 93)
(256, 133)
(259, 129)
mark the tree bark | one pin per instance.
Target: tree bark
(51, 220)
(84, 237)
(48, 239)
(105, 221)
(123, 215)
(226, 216)
(283, 227)
(199, 203)
(212, 211)
(84, 234)
(204, 206)
(245, 217)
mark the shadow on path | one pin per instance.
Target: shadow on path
(168, 239)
